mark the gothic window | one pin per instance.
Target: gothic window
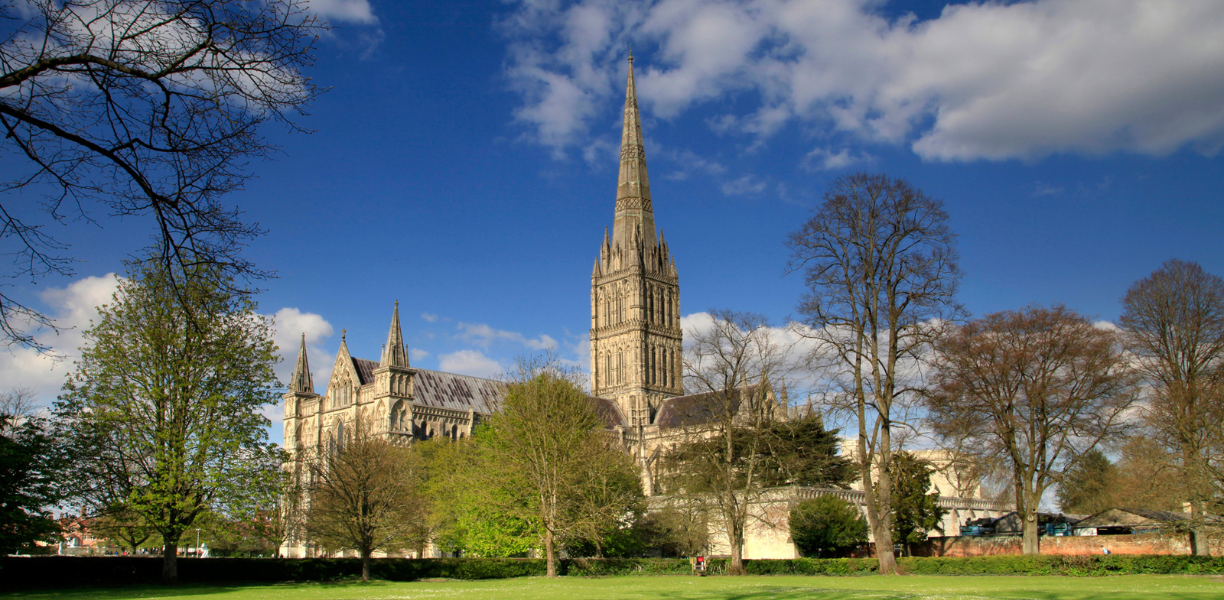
(454, 432)
(607, 374)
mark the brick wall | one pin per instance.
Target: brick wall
(1143, 543)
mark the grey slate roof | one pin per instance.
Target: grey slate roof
(365, 369)
(609, 411)
(465, 392)
(458, 392)
(696, 409)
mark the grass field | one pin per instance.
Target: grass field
(919, 587)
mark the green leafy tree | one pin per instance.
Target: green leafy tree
(826, 526)
(543, 458)
(915, 501)
(33, 466)
(164, 408)
(1088, 486)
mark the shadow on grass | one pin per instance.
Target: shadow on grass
(146, 590)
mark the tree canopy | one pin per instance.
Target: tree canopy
(826, 525)
(880, 266)
(163, 408)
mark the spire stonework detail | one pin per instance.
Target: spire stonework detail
(635, 292)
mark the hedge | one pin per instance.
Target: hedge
(52, 571)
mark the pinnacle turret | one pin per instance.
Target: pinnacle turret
(393, 351)
(301, 382)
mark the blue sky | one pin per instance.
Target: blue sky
(464, 160)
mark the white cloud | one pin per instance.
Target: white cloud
(825, 159)
(344, 11)
(482, 335)
(469, 362)
(981, 81)
(748, 185)
(430, 317)
(418, 354)
(72, 307)
(290, 324)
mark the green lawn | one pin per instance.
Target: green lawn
(920, 587)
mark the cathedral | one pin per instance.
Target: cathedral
(636, 345)
(636, 362)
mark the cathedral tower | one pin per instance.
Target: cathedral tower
(635, 293)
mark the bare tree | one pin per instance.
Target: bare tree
(140, 108)
(1174, 321)
(730, 367)
(880, 264)
(1039, 388)
(365, 494)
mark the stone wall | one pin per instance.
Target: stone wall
(1141, 543)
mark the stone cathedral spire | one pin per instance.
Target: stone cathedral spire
(635, 292)
(301, 381)
(634, 213)
(393, 352)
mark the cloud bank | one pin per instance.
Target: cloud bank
(990, 81)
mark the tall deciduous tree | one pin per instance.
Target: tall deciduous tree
(730, 366)
(365, 495)
(133, 108)
(164, 406)
(1038, 388)
(1174, 321)
(916, 507)
(879, 262)
(541, 454)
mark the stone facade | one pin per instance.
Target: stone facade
(388, 396)
(636, 366)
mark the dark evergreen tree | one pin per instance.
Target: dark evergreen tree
(805, 453)
(32, 467)
(1088, 486)
(826, 526)
(915, 511)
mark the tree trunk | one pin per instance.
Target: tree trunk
(549, 555)
(737, 552)
(365, 565)
(170, 563)
(1032, 542)
(884, 548)
(1199, 545)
